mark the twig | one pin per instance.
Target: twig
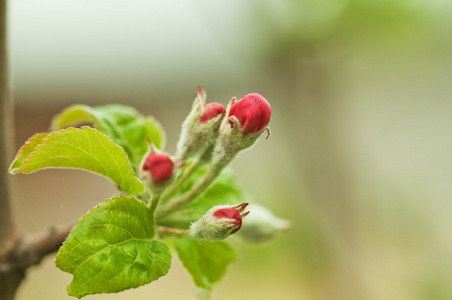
(168, 231)
(26, 252)
(34, 248)
(6, 133)
(17, 251)
(8, 236)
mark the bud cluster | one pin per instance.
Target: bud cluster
(211, 134)
(210, 125)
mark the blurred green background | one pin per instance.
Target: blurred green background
(360, 153)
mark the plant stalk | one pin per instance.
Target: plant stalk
(9, 281)
(195, 191)
(6, 133)
(17, 251)
(154, 202)
(204, 159)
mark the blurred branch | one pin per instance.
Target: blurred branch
(26, 252)
(6, 225)
(17, 251)
(30, 250)
(8, 281)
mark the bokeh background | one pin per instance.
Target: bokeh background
(360, 153)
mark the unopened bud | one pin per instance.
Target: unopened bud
(160, 166)
(247, 120)
(261, 226)
(219, 222)
(253, 113)
(200, 128)
(211, 110)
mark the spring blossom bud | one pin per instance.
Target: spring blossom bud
(200, 128)
(253, 112)
(160, 166)
(219, 222)
(211, 110)
(246, 121)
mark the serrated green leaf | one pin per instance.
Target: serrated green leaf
(84, 148)
(225, 190)
(205, 261)
(123, 124)
(111, 249)
(27, 149)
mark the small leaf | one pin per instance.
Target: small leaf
(123, 124)
(205, 261)
(225, 190)
(26, 150)
(111, 249)
(84, 148)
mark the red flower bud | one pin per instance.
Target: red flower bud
(211, 110)
(253, 112)
(160, 166)
(219, 222)
(233, 216)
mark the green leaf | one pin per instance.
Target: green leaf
(26, 150)
(123, 124)
(84, 148)
(205, 261)
(225, 190)
(111, 249)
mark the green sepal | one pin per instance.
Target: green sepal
(84, 148)
(205, 261)
(123, 124)
(111, 249)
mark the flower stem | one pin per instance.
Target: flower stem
(195, 191)
(168, 231)
(154, 202)
(6, 132)
(187, 173)
(201, 161)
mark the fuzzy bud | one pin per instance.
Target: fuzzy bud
(200, 128)
(253, 113)
(262, 226)
(246, 122)
(219, 222)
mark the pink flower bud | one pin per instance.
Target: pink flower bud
(253, 113)
(219, 222)
(232, 216)
(160, 166)
(211, 110)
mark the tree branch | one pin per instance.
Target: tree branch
(30, 250)
(17, 251)
(6, 133)
(26, 252)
